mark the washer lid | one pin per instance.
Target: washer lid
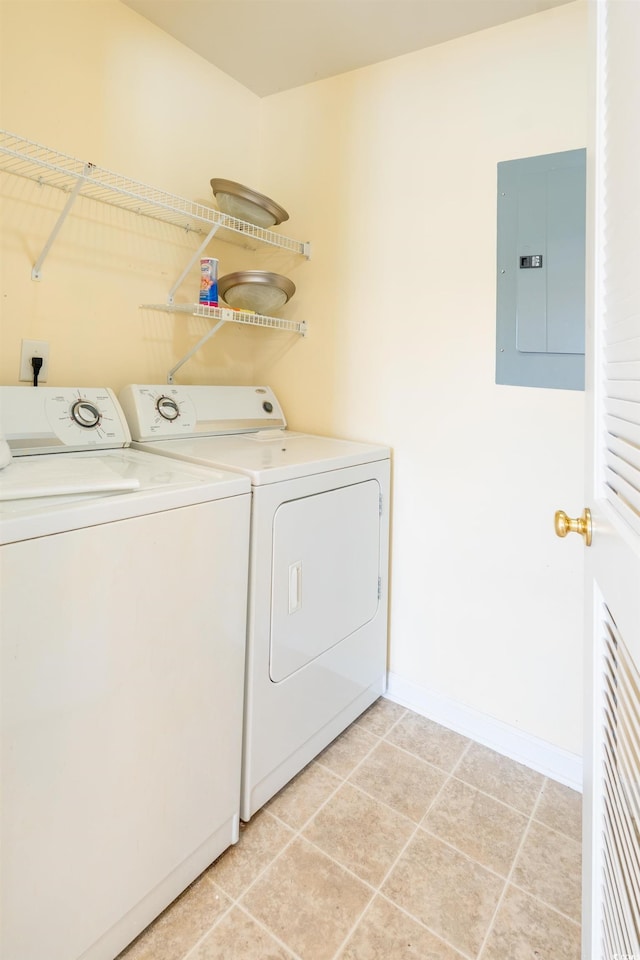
(60, 476)
(149, 484)
(280, 455)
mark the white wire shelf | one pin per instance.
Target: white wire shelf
(25, 158)
(227, 315)
(220, 316)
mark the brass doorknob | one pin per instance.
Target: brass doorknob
(581, 525)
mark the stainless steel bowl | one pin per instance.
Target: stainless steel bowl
(257, 290)
(243, 203)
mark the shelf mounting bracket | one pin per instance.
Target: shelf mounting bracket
(191, 262)
(194, 349)
(36, 272)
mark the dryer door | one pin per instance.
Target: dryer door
(326, 564)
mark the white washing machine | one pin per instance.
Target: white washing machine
(317, 626)
(123, 583)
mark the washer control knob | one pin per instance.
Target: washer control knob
(85, 414)
(267, 406)
(168, 408)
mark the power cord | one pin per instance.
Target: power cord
(36, 363)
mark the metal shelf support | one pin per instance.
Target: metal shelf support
(36, 272)
(191, 262)
(193, 350)
(222, 315)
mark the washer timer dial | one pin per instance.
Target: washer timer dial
(167, 408)
(86, 414)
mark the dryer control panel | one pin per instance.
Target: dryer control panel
(61, 419)
(165, 411)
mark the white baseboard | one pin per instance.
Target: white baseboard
(553, 762)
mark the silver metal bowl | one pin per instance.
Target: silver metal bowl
(242, 202)
(257, 290)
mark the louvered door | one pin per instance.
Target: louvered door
(621, 800)
(611, 929)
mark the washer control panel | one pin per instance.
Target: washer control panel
(161, 412)
(61, 419)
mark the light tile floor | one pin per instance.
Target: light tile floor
(401, 840)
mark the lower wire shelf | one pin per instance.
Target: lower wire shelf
(220, 316)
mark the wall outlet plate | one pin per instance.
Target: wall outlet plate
(34, 348)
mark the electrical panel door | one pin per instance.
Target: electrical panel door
(541, 271)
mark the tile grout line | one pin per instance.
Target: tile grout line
(292, 953)
(461, 757)
(536, 804)
(356, 786)
(379, 738)
(374, 894)
(236, 905)
(388, 730)
(507, 881)
(462, 853)
(345, 780)
(297, 834)
(407, 753)
(493, 797)
(416, 756)
(459, 951)
(452, 775)
(547, 906)
(352, 929)
(377, 891)
(560, 833)
(204, 936)
(342, 780)
(235, 900)
(383, 803)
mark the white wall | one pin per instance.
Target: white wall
(392, 172)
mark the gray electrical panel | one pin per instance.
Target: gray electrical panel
(541, 271)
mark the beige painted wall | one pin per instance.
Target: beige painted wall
(390, 172)
(92, 79)
(393, 173)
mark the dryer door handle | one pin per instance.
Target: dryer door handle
(295, 586)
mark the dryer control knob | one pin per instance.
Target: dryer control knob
(267, 406)
(85, 414)
(168, 408)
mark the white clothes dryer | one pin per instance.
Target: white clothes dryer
(317, 623)
(123, 584)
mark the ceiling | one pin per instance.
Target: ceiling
(274, 45)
